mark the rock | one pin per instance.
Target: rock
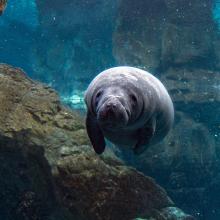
(170, 213)
(136, 39)
(188, 199)
(211, 202)
(176, 214)
(49, 169)
(155, 35)
(192, 85)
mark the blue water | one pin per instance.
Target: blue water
(216, 13)
(18, 26)
(67, 44)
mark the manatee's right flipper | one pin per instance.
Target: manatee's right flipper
(95, 134)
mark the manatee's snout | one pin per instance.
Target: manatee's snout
(110, 107)
(112, 114)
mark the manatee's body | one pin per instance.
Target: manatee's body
(129, 107)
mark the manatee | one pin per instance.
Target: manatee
(129, 107)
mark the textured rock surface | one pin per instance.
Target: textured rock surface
(162, 33)
(175, 214)
(192, 85)
(50, 171)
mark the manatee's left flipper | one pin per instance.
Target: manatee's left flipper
(95, 134)
(147, 132)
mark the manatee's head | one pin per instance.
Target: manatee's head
(115, 107)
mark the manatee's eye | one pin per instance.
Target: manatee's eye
(98, 94)
(133, 98)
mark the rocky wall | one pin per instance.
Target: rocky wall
(159, 34)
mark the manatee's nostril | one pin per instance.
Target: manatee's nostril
(111, 106)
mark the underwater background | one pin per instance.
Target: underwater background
(65, 44)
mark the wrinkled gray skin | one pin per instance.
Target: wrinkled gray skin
(129, 107)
